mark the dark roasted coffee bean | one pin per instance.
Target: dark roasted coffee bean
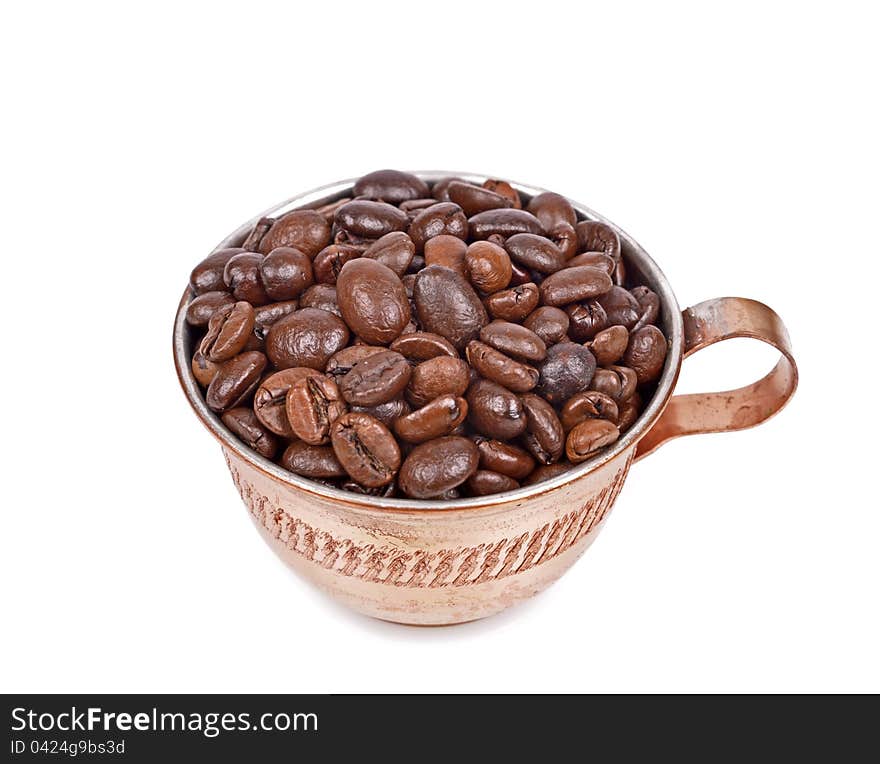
(497, 367)
(552, 209)
(510, 460)
(321, 296)
(391, 186)
(379, 378)
(504, 188)
(588, 437)
(388, 412)
(370, 220)
(307, 337)
(649, 306)
(448, 251)
(437, 376)
(565, 238)
(586, 320)
(550, 324)
(228, 332)
(330, 260)
(448, 305)
(433, 420)
(316, 462)
(242, 276)
(313, 403)
(247, 428)
(473, 199)
(617, 382)
(629, 411)
(235, 380)
(342, 362)
(394, 250)
(514, 340)
(487, 266)
(260, 229)
(373, 301)
(609, 345)
(266, 315)
(536, 253)
(207, 276)
(203, 369)
(594, 236)
(328, 211)
(286, 273)
(443, 218)
(270, 399)
(620, 306)
(484, 482)
(440, 191)
(594, 260)
(513, 304)
(365, 448)
(645, 354)
(589, 404)
(494, 411)
(544, 436)
(413, 207)
(573, 285)
(360, 243)
(567, 370)
(547, 472)
(437, 466)
(422, 346)
(518, 275)
(202, 307)
(506, 222)
(305, 230)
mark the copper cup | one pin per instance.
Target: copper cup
(445, 562)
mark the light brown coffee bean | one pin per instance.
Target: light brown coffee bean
(513, 304)
(433, 420)
(497, 367)
(437, 376)
(228, 332)
(313, 403)
(609, 345)
(589, 404)
(587, 437)
(376, 379)
(448, 251)
(487, 266)
(365, 448)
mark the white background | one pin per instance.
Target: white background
(739, 147)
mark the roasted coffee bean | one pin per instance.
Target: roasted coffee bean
(594, 260)
(437, 466)
(385, 491)
(443, 218)
(328, 211)
(386, 413)
(544, 436)
(446, 304)
(551, 209)
(391, 186)
(503, 188)
(550, 324)
(588, 437)
(609, 345)
(589, 404)
(203, 369)
(266, 315)
(414, 206)
(365, 448)
(376, 379)
(497, 367)
(649, 306)
(322, 297)
(342, 362)
(519, 276)
(313, 403)
(487, 266)
(252, 242)
(573, 285)
(536, 253)
(370, 220)
(514, 340)
(547, 472)
(506, 222)
(359, 243)
(307, 337)
(305, 230)
(235, 380)
(247, 428)
(594, 236)
(617, 382)
(422, 346)
(510, 460)
(316, 462)
(494, 411)
(567, 370)
(270, 399)
(373, 301)
(513, 304)
(394, 250)
(473, 199)
(565, 238)
(586, 320)
(207, 276)
(433, 420)
(437, 376)
(330, 260)
(228, 332)
(620, 306)
(286, 273)
(645, 354)
(440, 191)
(242, 277)
(448, 251)
(484, 482)
(629, 411)
(202, 307)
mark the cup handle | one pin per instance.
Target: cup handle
(705, 324)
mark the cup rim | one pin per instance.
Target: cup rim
(324, 194)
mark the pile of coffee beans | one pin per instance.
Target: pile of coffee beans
(426, 341)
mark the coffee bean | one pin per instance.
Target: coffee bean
(552, 209)
(330, 260)
(503, 188)
(246, 427)
(514, 340)
(307, 337)
(494, 411)
(629, 411)
(207, 276)
(422, 346)
(443, 218)
(413, 207)
(594, 260)
(437, 376)
(228, 332)
(286, 273)
(500, 368)
(370, 220)
(376, 379)
(235, 380)
(620, 307)
(394, 250)
(313, 403)
(391, 186)
(589, 404)
(440, 191)
(242, 277)
(594, 236)
(473, 199)
(536, 253)
(448, 251)
(386, 413)
(609, 345)
(270, 399)
(549, 324)
(342, 362)
(506, 458)
(433, 420)
(588, 437)
(447, 305)
(573, 285)
(567, 370)
(513, 304)
(438, 466)
(617, 382)
(487, 266)
(544, 436)
(321, 296)
(565, 238)
(645, 354)
(328, 211)
(506, 222)
(649, 305)
(373, 301)
(546, 472)
(266, 315)
(260, 229)
(203, 369)
(484, 482)
(316, 462)
(365, 448)
(202, 307)
(305, 230)
(586, 320)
